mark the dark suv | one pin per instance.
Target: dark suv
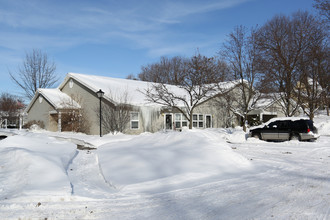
(281, 129)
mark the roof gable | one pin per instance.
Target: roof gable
(56, 98)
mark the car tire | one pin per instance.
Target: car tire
(295, 137)
(256, 136)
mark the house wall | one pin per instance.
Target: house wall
(150, 120)
(149, 117)
(89, 102)
(276, 107)
(220, 107)
(140, 128)
(40, 112)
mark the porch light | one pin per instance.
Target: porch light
(100, 94)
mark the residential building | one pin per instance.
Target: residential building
(76, 100)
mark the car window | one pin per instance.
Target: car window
(284, 125)
(310, 124)
(300, 125)
(273, 124)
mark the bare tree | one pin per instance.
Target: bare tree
(10, 107)
(314, 80)
(240, 52)
(324, 79)
(282, 42)
(324, 8)
(131, 76)
(37, 71)
(173, 70)
(73, 115)
(116, 117)
(226, 103)
(167, 70)
(198, 78)
(310, 94)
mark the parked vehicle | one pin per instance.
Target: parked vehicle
(282, 129)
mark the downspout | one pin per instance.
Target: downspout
(20, 121)
(59, 122)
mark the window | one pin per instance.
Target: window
(134, 120)
(180, 120)
(198, 121)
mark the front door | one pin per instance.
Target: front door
(168, 122)
(208, 121)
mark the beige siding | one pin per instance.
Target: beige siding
(218, 108)
(88, 101)
(40, 112)
(276, 107)
(220, 116)
(150, 118)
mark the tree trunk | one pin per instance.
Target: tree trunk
(244, 122)
(190, 121)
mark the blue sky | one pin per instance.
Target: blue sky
(115, 38)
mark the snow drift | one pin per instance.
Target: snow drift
(170, 158)
(34, 165)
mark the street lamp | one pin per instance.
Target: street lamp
(100, 94)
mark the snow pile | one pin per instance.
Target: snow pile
(35, 127)
(169, 158)
(322, 123)
(34, 165)
(232, 135)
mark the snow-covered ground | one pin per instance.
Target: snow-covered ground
(196, 174)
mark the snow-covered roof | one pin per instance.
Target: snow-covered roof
(263, 103)
(266, 100)
(59, 99)
(116, 88)
(313, 85)
(56, 98)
